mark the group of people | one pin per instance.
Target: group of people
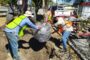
(15, 27)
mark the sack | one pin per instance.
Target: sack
(44, 33)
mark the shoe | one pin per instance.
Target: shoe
(9, 57)
(18, 58)
(61, 47)
(21, 57)
(63, 50)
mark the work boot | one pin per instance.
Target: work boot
(17, 58)
(61, 47)
(63, 50)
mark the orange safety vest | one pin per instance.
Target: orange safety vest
(68, 23)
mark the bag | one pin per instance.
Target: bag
(44, 33)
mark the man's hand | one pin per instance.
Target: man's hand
(39, 27)
(2, 27)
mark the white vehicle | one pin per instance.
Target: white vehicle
(64, 11)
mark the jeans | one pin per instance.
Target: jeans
(65, 37)
(13, 41)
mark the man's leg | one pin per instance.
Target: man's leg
(65, 38)
(13, 40)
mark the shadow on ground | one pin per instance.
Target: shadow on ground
(33, 43)
(57, 42)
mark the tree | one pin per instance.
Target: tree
(4, 2)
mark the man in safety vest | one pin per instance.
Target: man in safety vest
(14, 29)
(67, 29)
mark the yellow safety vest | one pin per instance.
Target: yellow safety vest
(49, 14)
(21, 32)
(49, 18)
(16, 23)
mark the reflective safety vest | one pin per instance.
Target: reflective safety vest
(68, 23)
(49, 17)
(21, 32)
(49, 14)
(16, 22)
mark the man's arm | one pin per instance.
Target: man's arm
(31, 24)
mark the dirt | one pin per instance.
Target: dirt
(31, 49)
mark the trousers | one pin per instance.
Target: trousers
(65, 36)
(13, 42)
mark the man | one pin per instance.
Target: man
(67, 28)
(14, 28)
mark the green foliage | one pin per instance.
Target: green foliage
(4, 2)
